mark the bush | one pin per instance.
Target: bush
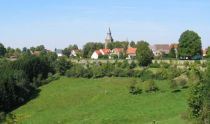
(179, 82)
(154, 65)
(50, 78)
(161, 74)
(63, 65)
(173, 85)
(183, 82)
(165, 65)
(132, 65)
(134, 88)
(150, 86)
(75, 71)
(98, 72)
(147, 74)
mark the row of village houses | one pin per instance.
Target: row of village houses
(157, 49)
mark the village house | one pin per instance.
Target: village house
(175, 47)
(75, 53)
(100, 52)
(204, 52)
(131, 52)
(59, 52)
(159, 49)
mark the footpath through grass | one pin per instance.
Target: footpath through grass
(102, 101)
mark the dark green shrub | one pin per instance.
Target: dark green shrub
(161, 74)
(147, 74)
(150, 86)
(173, 85)
(165, 65)
(134, 88)
(132, 65)
(75, 71)
(154, 65)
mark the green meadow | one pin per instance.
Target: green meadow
(102, 101)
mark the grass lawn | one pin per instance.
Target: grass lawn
(102, 101)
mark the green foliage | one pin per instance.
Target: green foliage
(75, 71)
(132, 44)
(32, 66)
(144, 54)
(172, 53)
(179, 83)
(154, 65)
(103, 57)
(199, 102)
(195, 100)
(125, 64)
(132, 65)
(14, 88)
(189, 44)
(118, 44)
(107, 100)
(2, 50)
(173, 85)
(208, 52)
(150, 86)
(63, 65)
(90, 47)
(134, 88)
(67, 51)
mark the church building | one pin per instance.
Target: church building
(108, 39)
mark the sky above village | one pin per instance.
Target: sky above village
(58, 23)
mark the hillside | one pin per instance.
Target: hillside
(106, 101)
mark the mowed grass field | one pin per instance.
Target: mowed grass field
(102, 101)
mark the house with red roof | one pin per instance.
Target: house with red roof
(131, 52)
(97, 53)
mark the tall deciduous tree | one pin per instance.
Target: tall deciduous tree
(2, 50)
(144, 54)
(189, 44)
(132, 44)
(172, 53)
(90, 47)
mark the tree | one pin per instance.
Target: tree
(40, 48)
(144, 53)
(63, 65)
(67, 51)
(208, 52)
(172, 53)
(189, 44)
(132, 44)
(199, 102)
(90, 47)
(2, 50)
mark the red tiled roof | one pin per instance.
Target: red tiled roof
(174, 45)
(106, 51)
(131, 50)
(162, 47)
(117, 50)
(98, 52)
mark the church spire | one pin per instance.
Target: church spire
(110, 31)
(109, 38)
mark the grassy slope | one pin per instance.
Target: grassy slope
(104, 101)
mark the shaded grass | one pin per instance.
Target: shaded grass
(102, 101)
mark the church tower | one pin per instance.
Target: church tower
(109, 38)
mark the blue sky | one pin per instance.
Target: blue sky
(58, 23)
